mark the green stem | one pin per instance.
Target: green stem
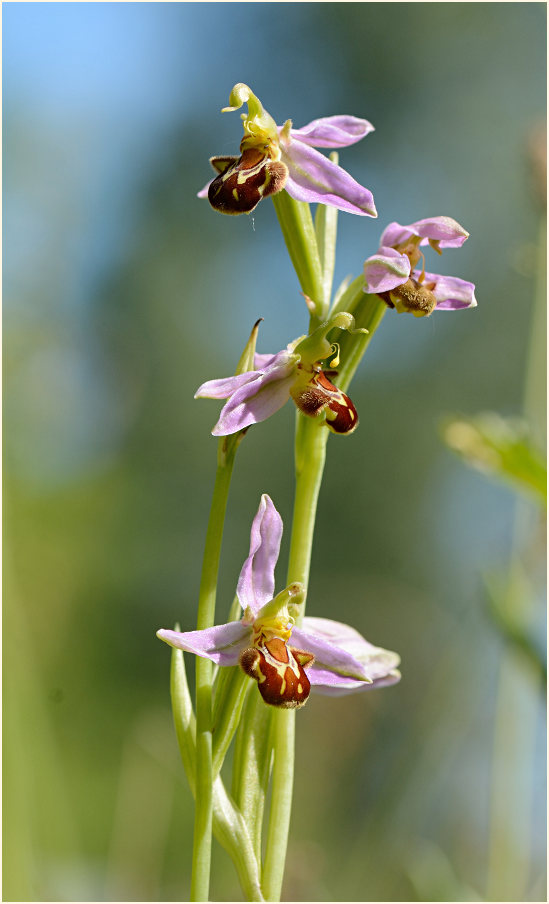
(299, 234)
(311, 438)
(283, 727)
(310, 454)
(368, 314)
(315, 271)
(202, 847)
(326, 235)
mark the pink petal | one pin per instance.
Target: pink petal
(315, 179)
(386, 270)
(258, 399)
(336, 631)
(222, 644)
(262, 362)
(445, 230)
(327, 655)
(226, 386)
(340, 648)
(451, 292)
(333, 131)
(203, 193)
(257, 581)
(331, 685)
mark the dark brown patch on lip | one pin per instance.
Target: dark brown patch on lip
(311, 400)
(278, 670)
(244, 181)
(341, 414)
(319, 395)
(342, 417)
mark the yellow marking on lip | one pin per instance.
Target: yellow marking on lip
(246, 174)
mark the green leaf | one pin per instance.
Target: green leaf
(183, 714)
(230, 690)
(229, 826)
(246, 361)
(299, 234)
(348, 295)
(338, 294)
(252, 765)
(231, 831)
(506, 603)
(326, 235)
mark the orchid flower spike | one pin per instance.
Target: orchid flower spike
(276, 157)
(326, 655)
(393, 274)
(295, 372)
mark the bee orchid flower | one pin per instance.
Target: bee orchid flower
(294, 372)
(286, 661)
(393, 273)
(274, 157)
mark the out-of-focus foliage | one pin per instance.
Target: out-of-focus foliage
(122, 293)
(506, 596)
(501, 448)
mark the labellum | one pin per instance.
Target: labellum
(243, 181)
(278, 670)
(320, 394)
(414, 298)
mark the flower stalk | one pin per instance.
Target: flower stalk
(310, 456)
(205, 772)
(200, 882)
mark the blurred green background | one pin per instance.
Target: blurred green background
(122, 293)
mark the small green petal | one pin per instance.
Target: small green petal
(293, 595)
(259, 127)
(316, 346)
(246, 361)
